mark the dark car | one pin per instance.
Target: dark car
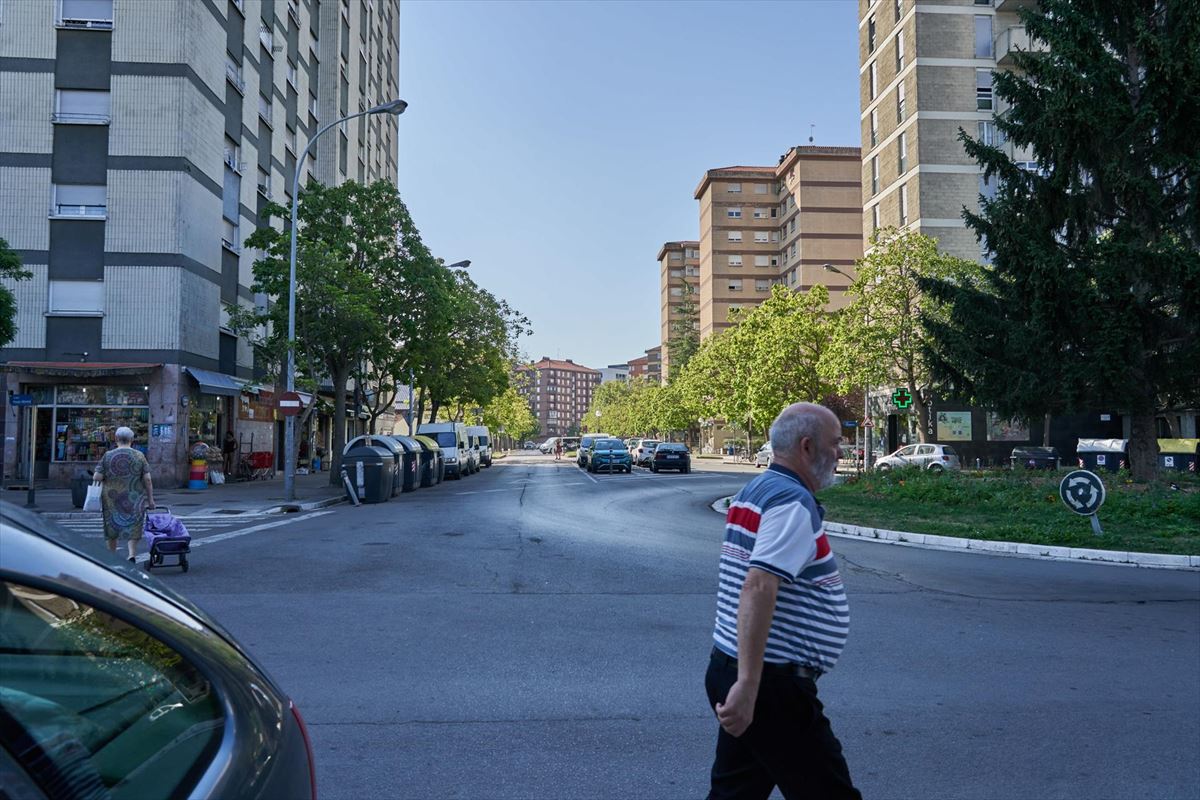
(609, 455)
(114, 686)
(669, 455)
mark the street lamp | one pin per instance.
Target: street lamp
(396, 107)
(866, 392)
(466, 262)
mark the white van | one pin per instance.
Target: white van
(484, 438)
(456, 450)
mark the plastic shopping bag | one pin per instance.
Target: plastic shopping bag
(92, 501)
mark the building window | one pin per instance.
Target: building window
(774, 236)
(983, 89)
(676, 273)
(904, 205)
(871, 34)
(691, 272)
(774, 261)
(761, 285)
(733, 213)
(792, 225)
(898, 8)
(291, 74)
(875, 175)
(874, 127)
(760, 237)
(761, 261)
(793, 249)
(735, 261)
(987, 187)
(676, 291)
(874, 217)
(676, 256)
(266, 110)
(987, 133)
(289, 140)
(79, 200)
(735, 284)
(734, 188)
(83, 298)
(233, 155)
(874, 80)
(76, 107)
(899, 51)
(267, 38)
(760, 213)
(902, 157)
(774, 213)
(760, 188)
(983, 36)
(900, 97)
(735, 236)
(264, 183)
(96, 14)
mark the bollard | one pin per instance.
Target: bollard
(978, 464)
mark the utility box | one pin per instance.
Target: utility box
(372, 472)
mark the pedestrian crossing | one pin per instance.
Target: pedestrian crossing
(92, 526)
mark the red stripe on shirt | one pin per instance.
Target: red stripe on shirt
(822, 547)
(747, 518)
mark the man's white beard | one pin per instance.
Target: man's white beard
(825, 470)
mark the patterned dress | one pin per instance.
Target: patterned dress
(123, 497)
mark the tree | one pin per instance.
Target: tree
(10, 272)
(683, 336)
(883, 336)
(1093, 296)
(509, 412)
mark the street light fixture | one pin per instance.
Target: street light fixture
(866, 391)
(466, 262)
(396, 107)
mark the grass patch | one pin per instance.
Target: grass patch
(1023, 507)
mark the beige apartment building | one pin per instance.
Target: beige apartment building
(925, 72)
(679, 281)
(765, 225)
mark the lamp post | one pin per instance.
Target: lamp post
(866, 393)
(289, 437)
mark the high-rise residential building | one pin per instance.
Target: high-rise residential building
(765, 225)
(654, 364)
(925, 72)
(559, 393)
(139, 143)
(615, 372)
(638, 367)
(679, 283)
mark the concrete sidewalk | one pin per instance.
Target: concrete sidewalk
(249, 497)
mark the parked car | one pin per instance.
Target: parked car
(671, 455)
(456, 448)
(933, 457)
(632, 443)
(643, 451)
(115, 686)
(548, 445)
(764, 456)
(484, 438)
(571, 443)
(530, 445)
(607, 455)
(583, 451)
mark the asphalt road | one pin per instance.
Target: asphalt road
(534, 632)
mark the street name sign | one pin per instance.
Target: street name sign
(21, 400)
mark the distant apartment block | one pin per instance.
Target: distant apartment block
(679, 284)
(559, 393)
(760, 226)
(615, 372)
(926, 71)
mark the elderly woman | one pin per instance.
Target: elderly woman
(127, 492)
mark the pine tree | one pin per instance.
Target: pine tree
(1093, 296)
(684, 336)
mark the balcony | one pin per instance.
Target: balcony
(73, 210)
(1012, 6)
(1013, 40)
(232, 161)
(233, 74)
(79, 118)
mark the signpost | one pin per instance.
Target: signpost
(1083, 492)
(25, 403)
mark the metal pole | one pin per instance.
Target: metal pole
(29, 493)
(866, 430)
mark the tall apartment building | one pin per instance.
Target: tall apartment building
(139, 143)
(926, 71)
(765, 225)
(679, 283)
(559, 393)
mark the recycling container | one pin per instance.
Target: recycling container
(1180, 455)
(1103, 454)
(372, 472)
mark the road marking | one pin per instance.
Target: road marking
(220, 537)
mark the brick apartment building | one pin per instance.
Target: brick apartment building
(559, 393)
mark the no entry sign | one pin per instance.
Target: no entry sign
(289, 404)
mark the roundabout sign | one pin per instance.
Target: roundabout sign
(1083, 492)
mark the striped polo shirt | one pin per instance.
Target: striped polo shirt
(775, 524)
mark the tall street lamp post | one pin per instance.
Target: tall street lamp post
(866, 393)
(289, 437)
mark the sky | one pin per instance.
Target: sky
(557, 145)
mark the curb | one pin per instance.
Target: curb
(312, 505)
(1045, 552)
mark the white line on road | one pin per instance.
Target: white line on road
(220, 537)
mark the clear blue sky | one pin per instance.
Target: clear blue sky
(557, 144)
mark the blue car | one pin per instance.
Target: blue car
(609, 455)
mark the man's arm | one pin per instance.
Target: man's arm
(755, 610)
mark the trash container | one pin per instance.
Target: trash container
(410, 478)
(372, 472)
(1103, 454)
(431, 461)
(79, 486)
(1035, 458)
(387, 443)
(1180, 455)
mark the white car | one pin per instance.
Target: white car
(933, 457)
(764, 456)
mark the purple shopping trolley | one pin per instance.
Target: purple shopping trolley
(166, 535)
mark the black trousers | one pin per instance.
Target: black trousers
(790, 743)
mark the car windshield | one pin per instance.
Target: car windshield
(648, 443)
(445, 438)
(483, 441)
(610, 444)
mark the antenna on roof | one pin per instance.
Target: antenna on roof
(811, 126)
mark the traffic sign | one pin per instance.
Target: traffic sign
(902, 398)
(21, 400)
(868, 424)
(289, 404)
(850, 423)
(1082, 492)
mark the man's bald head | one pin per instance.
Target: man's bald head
(805, 438)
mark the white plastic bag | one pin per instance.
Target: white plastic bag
(92, 501)
(216, 477)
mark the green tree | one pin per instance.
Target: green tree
(1093, 297)
(683, 335)
(510, 412)
(10, 272)
(883, 336)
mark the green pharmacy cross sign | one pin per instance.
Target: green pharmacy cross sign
(902, 398)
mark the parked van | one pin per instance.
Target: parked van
(484, 437)
(456, 449)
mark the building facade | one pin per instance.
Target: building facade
(155, 133)
(615, 372)
(679, 287)
(559, 393)
(760, 226)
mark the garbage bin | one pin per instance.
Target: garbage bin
(387, 443)
(431, 461)
(410, 478)
(1035, 458)
(1180, 455)
(1103, 454)
(372, 472)
(79, 486)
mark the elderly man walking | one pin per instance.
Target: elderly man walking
(782, 620)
